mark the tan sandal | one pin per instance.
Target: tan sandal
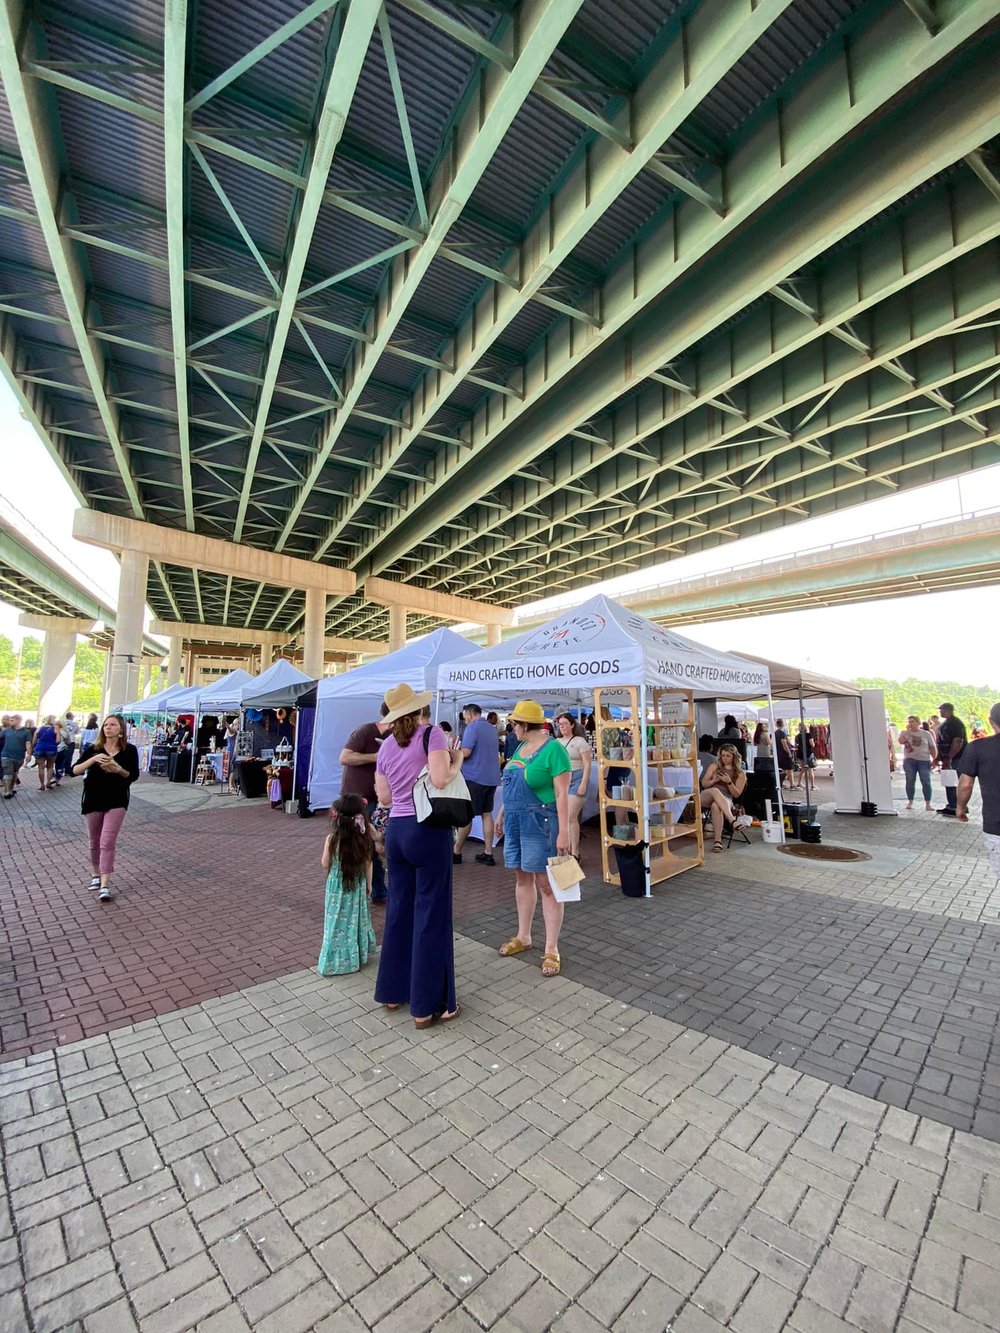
(513, 946)
(551, 964)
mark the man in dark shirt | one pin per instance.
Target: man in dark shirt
(982, 760)
(357, 760)
(951, 743)
(16, 749)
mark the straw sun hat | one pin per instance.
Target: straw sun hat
(403, 699)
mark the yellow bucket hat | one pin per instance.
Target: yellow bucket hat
(526, 710)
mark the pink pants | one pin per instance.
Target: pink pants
(103, 826)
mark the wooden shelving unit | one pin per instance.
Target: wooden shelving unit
(657, 747)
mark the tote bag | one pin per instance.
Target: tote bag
(441, 807)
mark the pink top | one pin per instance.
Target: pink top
(400, 765)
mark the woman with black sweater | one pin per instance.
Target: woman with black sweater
(109, 767)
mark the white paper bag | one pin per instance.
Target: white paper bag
(565, 877)
(949, 778)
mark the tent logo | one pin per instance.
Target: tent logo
(564, 635)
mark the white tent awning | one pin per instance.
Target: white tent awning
(604, 644)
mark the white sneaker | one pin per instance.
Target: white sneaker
(105, 894)
(95, 882)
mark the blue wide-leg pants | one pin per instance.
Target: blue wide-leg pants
(417, 962)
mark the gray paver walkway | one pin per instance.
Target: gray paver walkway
(903, 1006)
(293, 1158)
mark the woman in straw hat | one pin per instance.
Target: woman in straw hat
(534, 823)
(417, 963)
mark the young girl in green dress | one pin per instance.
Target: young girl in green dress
(348, 938)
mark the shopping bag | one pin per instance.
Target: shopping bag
(441, 807)
(949, 778)
(564, 876)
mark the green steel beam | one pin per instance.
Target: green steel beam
(951, 224)
(541, 24)
(904, 149)
(696, 454)
(264, 48)
(891, 455)
(718, 35)
(351, 52)
(37, 142)
(175, 42)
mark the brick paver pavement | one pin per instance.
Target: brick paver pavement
(293, 1158)
(287, 1156)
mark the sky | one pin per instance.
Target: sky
(937, 636)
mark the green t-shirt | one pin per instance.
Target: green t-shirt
(542, 767)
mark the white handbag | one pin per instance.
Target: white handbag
(441, 807)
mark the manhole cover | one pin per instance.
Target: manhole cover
(817, 851)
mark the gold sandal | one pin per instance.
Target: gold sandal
(513, 946)
(553, 962)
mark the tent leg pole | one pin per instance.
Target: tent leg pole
(777, 766)
(643, 785)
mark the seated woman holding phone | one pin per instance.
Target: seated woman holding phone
(723, 783)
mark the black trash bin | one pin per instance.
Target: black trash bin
(632, 870)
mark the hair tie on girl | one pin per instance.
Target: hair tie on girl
(360, 823)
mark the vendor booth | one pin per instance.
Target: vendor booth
(861, 778)
(264, 752)
(641, 680)
(341, 703)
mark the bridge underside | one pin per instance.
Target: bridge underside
(498, 299)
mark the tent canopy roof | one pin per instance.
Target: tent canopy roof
(415, 663)
(281, 678)
(788, 682)
(222, 693)
(602, 643)
(155, 703)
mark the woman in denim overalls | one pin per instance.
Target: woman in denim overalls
(534, 824)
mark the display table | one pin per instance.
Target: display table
(179, 766)
(253, 782)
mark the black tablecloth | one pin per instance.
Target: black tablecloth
(179, 766)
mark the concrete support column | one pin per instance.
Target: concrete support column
(147, 679)
(55, 693)
(58, 663)
(397, 628)
(106, 688)
(174, 660)
(266, 653)
(127, 651)
(493, 635)
(314, 633)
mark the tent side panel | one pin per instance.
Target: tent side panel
(336, 718)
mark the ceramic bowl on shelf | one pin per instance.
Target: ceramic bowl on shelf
(661, 793)
(623, 832)
(657, 833)
(628, 794)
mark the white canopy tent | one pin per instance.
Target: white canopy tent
(222, 695)
(155, 703)
(280, 675)
(601, 643)
(345, 702)
(861, 781)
